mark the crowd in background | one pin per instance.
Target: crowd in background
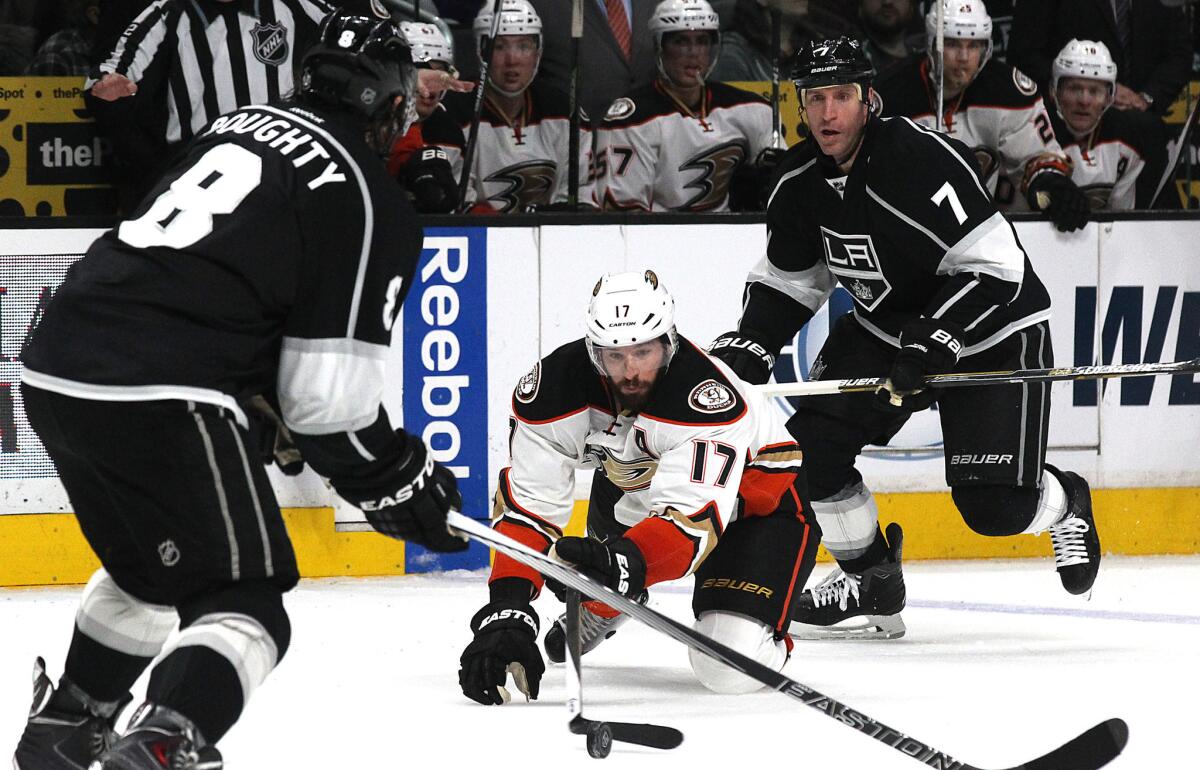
(150, 88)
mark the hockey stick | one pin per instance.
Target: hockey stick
(1090, 750)
(573, 106)
(941, 66)
(1176, 152)
(872, 384)
(485, 64)
(776, 122)
(601, 734)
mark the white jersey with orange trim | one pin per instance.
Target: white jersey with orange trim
(704, 436)
(1118, 164)
(654, 154)
(1000, 116)
(520, 164)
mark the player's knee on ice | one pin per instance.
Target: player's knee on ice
(995, 510)
(750, 637)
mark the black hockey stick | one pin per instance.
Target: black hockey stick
(485, 64)
(1088, 751)
(573, 106)
(776, 123)
(601, 734)
(1176, 152)
(872, 384)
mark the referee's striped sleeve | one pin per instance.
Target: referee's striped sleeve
(139, 44)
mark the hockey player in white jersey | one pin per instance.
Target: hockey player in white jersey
(994, 109)
(429, 158)
(1116, 158)
(675, 144)
(694, 472)
(524, 129)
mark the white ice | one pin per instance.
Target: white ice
(999, 665)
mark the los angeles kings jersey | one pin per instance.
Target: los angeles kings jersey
(274, 256)
(1000, 116)
(523, 163)
(1117, 164)
(654, 154)
(910, 232)
(706, 450)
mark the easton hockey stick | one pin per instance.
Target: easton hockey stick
(485, 64)
(872, 384)
(601, 734)
(1090, 750)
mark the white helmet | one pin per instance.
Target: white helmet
(961, 20)
(628, 309)
(517, 17)
(1085, 59)
(685, 16)
(428, 43)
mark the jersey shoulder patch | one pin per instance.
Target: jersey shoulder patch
(620, 109)
(1024, 83)
(694, 391)
(640, 105)
(561, 384)
(1001, 85)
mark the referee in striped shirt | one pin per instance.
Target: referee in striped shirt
(181, 63)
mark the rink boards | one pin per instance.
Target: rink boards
(486, 303)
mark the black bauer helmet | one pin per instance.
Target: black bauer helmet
(362, 64)
(836, 62)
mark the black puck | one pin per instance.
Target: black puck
(599, 740)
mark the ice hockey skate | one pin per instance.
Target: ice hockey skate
(160, 738)
(66, 728)
(594, 628)
(855, 606)
(1074, 537)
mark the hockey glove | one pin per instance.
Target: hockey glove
(505, 642)
(430, 179)
(618, 564)
(748, 358)
(1061, 198)
(271, 436)
(927, 346)
(408, 500)
(750, 187)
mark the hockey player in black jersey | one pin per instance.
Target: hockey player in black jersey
(898, 215)
(694, 473)
(992, 108)
(273, 258)
(1117, 156)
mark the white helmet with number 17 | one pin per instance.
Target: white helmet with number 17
(629, 309)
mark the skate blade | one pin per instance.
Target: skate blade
(864, 627)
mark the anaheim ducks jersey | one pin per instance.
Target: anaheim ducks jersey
(1117, 164)
(910, 231)
(522, 163)
(437, 130)
(1000, 116)
(674, 470)
(655, 154)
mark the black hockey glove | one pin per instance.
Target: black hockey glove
(271, 437)
(1061, 198)
(430, 179)
(618, 564)
(927, 346)
(750, 187)
(408, 500)
(505, 642)
(745, 355)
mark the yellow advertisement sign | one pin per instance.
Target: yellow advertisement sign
(789, 106)
(52, 160)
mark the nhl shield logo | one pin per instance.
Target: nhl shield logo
(270, 43)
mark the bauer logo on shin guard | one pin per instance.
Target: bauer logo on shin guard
(734, 584)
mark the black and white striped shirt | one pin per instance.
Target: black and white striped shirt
(213, 57)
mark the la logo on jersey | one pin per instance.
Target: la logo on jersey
(853, 260)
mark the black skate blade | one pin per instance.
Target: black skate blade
(1090, 750)
(652, 736)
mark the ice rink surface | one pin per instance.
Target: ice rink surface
(999, 665)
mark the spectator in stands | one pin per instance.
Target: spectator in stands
(889, 31)
(1116, 160)
(185, 63)
(429, 158)
(17, 44)
(68, 51)
(616, 53)
(1149, 42)
(746, 46)
(676, 144)
(520, 160)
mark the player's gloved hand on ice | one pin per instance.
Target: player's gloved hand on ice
(618, 564)
(745, 355)
(408, 500)
(1061, 199)
(271, 436)
(927, 346)
(430, 178)
(505, 643)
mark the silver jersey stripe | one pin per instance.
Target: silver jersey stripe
(991, 249)
(787, 176)
(809, 287)
(989, 341)
(363, 452)
(938, 138)
(312, 369)
(950, 302)
(908, 220)
(235, 566)
(1024, 410)
(268, 562)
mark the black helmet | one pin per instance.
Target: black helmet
(361, 64)
(832, 63)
